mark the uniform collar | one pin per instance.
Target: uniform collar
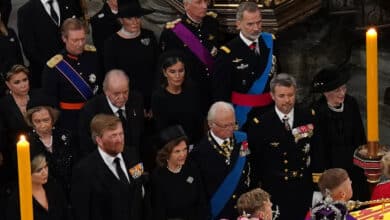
(71, 56)
(191, 22)
(281, 115)
(247, 41)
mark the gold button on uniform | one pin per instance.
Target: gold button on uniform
(286, 178)
(285, 161)
(234, 196)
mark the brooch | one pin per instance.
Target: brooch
(137, 170)
(145, 41)
(92, 78)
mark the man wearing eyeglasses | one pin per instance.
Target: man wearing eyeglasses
(285, 150)
(221, 157)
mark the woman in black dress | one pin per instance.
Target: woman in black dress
(48, 198)
(340, 126)
(177, 190)
(177, 101)
(54, 142)
(133, 50)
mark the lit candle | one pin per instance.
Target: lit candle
(24, 173)
(372, 85)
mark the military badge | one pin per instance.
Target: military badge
(145, 41)
(95, 89)
(214, 51)
(244, 150)
(211, 37)
(137, 170)
(92, 78)
(101, 15)
(303, 131)
(190, 179)
(237, 60)
(306, 148)
(63, 137)
(274, 144)
(242, 66)
(308, 161)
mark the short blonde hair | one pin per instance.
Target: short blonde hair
(103, 122)
(37, 162)
(252, 201)
(17, 68)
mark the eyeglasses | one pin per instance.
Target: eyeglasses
(233, 125)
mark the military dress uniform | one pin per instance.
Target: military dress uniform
(70, 101)
(207, 34)
(237, 67)
(284, 160)
(215, 165)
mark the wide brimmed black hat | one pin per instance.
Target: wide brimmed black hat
(131, 9)
(171, 133)
(330, 78)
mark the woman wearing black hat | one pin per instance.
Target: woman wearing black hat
(133, 49)
(340, 125)
(48, 198)
(55, 143)
(177, 190)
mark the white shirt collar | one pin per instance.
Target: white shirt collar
(290, 116)
(217, 139)
(246, 40)
(109, 161)
(113, 107)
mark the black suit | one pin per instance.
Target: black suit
(39, 35)
(282, 164)
(97, 194)
(99, 104)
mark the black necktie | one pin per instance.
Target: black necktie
(53, 13)
(122, 117)
(119, 171)
(286, 124)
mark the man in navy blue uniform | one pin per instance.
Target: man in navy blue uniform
(285, 150)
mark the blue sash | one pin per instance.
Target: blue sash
(75, 79)
(229, 184)
(259, 85)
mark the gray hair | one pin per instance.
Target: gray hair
(246, 6)
(220, 105)
(282, 79)
(114, 73)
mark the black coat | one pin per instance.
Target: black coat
(97, 194)
(214, 169)
(341, 133)
(284, 165)
(40, 36)
(99, 104)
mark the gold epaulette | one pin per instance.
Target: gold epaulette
(90, 48)
(273, 36)
(225, 48)
(313, 112)
(54, 60)
(316, 177)
(171, 24)
(212, 14)
(256, 121)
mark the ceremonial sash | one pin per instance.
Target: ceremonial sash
(193, 43)
(229, 184)
(259, 85)
(75, 79)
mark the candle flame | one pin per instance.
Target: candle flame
(22, 138)
(371, 31)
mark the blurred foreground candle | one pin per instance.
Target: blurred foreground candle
(24, 174)
(372, 87)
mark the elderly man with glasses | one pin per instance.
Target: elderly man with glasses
(222, 158)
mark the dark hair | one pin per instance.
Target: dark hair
(164, 152)
(168, 59)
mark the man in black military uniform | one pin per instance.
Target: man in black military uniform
(245, 66)
(72, 76)
(116, 100)
(285, 150)
(196, 33)
(104, 24)
(219, 155)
